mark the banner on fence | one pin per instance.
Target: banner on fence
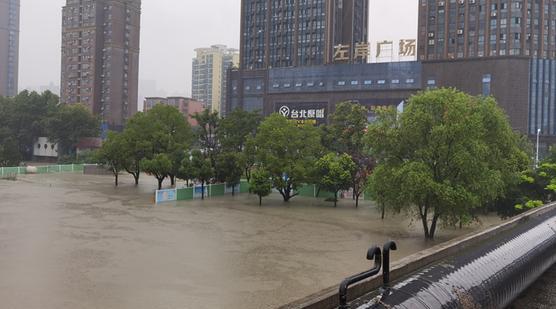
(169, 195)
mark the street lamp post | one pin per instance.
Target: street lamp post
(537, 156)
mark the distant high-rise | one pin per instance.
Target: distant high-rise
(486, 28)
(285, 33)
(9, 47)
(100, 57)
(209, 75)
(188, 107)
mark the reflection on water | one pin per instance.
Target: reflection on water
(74, 241)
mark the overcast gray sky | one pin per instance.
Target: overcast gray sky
(170, 31)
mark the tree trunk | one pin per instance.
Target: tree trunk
(136, 177)
(285, 194)
(260, 200)
(202, 190)
(172, 180)
(423, 211)
(116, 179)
(433, 226)
(160, 180)
(357, 200)
(336, 199)
(383, 206)
(233, 190)
(248, 174)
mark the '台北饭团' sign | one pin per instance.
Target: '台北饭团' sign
(304, 113)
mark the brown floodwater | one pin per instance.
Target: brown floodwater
(75, 241)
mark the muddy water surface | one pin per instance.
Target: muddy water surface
(74, 241)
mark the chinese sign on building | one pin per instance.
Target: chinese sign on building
(385, 51)
(304, 113)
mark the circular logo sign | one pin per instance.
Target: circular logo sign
(284, 111)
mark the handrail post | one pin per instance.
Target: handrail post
(391, 245)
(373, 253)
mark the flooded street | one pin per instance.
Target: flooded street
(75, 241)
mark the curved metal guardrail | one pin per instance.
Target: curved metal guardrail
(489, 275)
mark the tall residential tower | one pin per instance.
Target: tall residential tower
(285, 33)
(210, 67)
(453, 29)
(9, 47)
(100, 57)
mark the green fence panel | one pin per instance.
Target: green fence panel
(53, 169)
(244, 187)
(307, 191)
(42, 169)
(11, 170)
(185, 194)
(78, 167)
(218, 190)
(66, 168)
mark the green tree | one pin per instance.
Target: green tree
(335, 173)
(345, 134)
(249, 157)
(112, 155)
(236, 133)
(207, 133)
(22, 120)
(186, 170)
(379, 188)
(261, 184)
(202, 169)
(448, 153)
(230, 168)
(287, 152)
(69, 124)
(171, 134)
(159, 166)
(236, 128)
(138, 143)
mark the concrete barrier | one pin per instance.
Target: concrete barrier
(328, 298)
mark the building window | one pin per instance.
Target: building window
(395, 81)
(381, 82)
(368, 82)
(341, 83)
(354, 82)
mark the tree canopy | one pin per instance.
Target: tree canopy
(287, 152)
(69, 125)
(335, 173)
(260, 184)
(447, 154)
(345, 134)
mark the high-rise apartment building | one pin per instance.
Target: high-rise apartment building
(9, 47)
(100, 57)
(455, 29)
(210, 67)
(286, 33)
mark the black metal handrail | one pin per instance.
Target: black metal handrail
(391, 245)
(373, 253)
